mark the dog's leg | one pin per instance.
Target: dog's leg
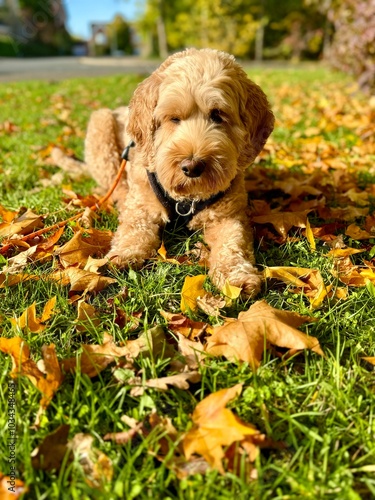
(102, 151)
(138, 235)
(232, 255)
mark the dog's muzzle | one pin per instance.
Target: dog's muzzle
(193, 167)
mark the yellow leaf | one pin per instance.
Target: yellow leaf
(191, 290)
(310, 236)
(29, 320)
(231, 291)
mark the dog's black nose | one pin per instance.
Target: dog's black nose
(193, 167)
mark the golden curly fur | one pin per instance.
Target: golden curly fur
(197, 122)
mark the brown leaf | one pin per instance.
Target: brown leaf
(87, 281)
(96, 465)
(52, 450)
(22, 225)
(180, 381)
(246, 338)
(95, 358)
(185, 326)
(85, 243)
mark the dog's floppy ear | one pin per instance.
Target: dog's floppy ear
(141, 125)
(258, 119)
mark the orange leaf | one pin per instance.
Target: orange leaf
(216, 427)
(246, 338)
(10, 488)
(29, 320)
(283, 221)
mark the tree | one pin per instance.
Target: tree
(120, 35)
(353, 45)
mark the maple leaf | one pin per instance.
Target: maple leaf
(246, 338)
(24, 224)
(81, 280)
(357, 233)
(283, 221)
(215, 427)
(47, 381)
(29, 320)
(87, 317)
(85, 243)
(191, 290)
(95, 357)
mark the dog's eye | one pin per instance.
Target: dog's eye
(174, 119)
(215, 116)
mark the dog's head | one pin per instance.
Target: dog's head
(198, 119)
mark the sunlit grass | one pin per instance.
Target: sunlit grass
(322, 409)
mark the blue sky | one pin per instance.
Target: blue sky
(81, 13)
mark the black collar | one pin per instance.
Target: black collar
(180, 211)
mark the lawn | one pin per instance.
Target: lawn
(311, 193)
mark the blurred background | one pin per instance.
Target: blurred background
(341, 32)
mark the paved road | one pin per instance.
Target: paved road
(59, 68)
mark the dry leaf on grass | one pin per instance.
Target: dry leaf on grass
(87, 317)
(95, 358)
(47, 382)
(86, 281)
(52, 450)
(257, 328)
(28, 319)
(22, 225)
(179, 323)
(283, 221)
(11, 489)
(180, 381)
(216, 427)
(96, 465)
(191, 290)
(84, 244)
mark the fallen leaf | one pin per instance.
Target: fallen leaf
(180, 381)
(210, 304)
(87, 317)
(10, 488)
(231, 291)
(96, 465)
(357, 233)
(179, 323)
(283, 221)
(191, 290)
(84, 244)
(22, 225)
(216, 427)
(87, 281)
(50, 454)
(246, 338)
(95, 358)
(47, 382)
(29, 320)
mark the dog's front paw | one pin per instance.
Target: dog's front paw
(125, 261)
(246, 277)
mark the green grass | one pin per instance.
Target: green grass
(323, 409)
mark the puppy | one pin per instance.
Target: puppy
(197, 122)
